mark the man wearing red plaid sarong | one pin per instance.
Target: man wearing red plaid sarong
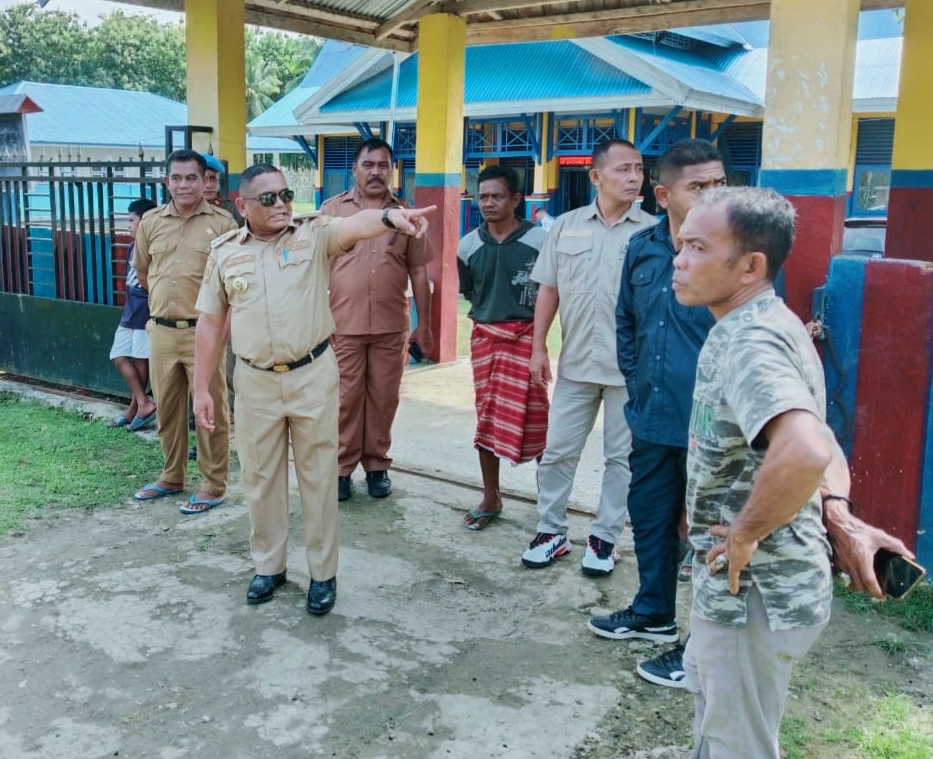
(495, 262)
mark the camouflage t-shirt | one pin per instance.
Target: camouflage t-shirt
(758, 362)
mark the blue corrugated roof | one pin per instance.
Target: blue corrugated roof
(694, 70)
(97, 116)
(498, 73)
(73, 115)
(877, 68)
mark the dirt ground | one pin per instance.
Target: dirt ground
(124, 632)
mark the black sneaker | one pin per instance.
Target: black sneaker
(378, 483)
(344, 488)
(625, 624)
(666, 669)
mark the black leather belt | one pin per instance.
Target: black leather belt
(175, 323)
(315, 352)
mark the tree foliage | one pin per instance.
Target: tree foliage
(136, 52)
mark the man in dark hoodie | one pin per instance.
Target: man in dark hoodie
(495, 262)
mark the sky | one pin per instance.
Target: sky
(91, 10)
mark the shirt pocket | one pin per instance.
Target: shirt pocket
(296, 267)
(644, 285)
(574, 255)
(198, 259)
(157, 258)
(241, 283)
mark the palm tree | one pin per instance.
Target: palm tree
(262, 84)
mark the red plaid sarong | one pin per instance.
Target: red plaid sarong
(511, 413)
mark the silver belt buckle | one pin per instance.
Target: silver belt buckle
(183, 324)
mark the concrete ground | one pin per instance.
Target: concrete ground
(125, 632)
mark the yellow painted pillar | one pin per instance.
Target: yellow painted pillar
(807, 130)
(544, 184)
(910, 207)
(216, 86)
(439, 162)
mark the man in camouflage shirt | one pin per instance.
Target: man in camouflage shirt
(758, 450)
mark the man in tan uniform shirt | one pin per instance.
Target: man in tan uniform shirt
(172, 245)
(370, 306)
(272, 276)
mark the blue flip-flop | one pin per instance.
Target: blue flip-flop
(196, 506)
(141, 422)
(156, 488)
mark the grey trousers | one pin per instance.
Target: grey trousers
(573, 413)
(739, 679)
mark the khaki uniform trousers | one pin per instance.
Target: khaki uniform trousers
(171, 369)
(271, 408)
(370, 377)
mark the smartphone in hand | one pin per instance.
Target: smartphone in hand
(897, 575)
(414, 350)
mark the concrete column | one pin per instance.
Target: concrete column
(807, 130)
(439, 162)
(216, 87)
(910, 208)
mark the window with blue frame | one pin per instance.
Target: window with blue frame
(871, 184)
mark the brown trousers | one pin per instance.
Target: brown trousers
(270, 409)
(370, 377)
(171, 370)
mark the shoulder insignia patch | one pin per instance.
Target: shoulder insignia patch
(296, 217)
(218, 241)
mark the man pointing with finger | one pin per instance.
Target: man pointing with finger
(272, 276)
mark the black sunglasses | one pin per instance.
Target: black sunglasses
(267, 199)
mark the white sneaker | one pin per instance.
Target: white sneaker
(599, 557)
(544, 548)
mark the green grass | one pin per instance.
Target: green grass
(54, 459)
(854, 723)
(303, 207)
(465, 327)
(915, 613)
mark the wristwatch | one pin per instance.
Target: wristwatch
(386, 220)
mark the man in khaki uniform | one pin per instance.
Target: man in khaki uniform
(272, 276)
(172, 245)
(370, 306)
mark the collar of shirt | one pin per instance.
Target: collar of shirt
(245, 233)
(169, 209)
(633, 213)
(353, 195)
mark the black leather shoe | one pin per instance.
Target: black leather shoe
(322, 595)
(378, 483)
(262, 588)
(344, 488)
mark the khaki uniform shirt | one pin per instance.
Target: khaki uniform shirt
(757, 363)
(582, 257)
(276, 289)
(368, 289)
(174, 250)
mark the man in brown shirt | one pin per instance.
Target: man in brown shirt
(369, 302)
(271, 277)
(172, 245)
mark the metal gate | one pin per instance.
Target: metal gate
(63, 227)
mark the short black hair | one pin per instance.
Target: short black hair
(373, 143)
(760, 219)
(140, 206)
(601, 150)
(682, 154)
(501, 172)
(183, 156)
(257, 169)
